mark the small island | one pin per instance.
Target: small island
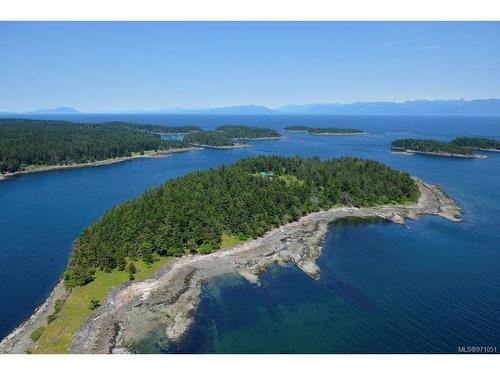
(211, 139)
(248, 133)
(412, 146)
(230, 136)
(478, 143)
(324, 131)
(28, 146)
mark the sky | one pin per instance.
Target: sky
(108, 66)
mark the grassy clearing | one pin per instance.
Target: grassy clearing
(230, 240)
(57, 336)
(35, 335)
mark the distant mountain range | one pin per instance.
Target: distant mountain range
(55, 111)
(413, 107)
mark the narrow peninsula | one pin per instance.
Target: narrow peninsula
(324, 131)
(28, 146)
(455, 148)
(238, 218)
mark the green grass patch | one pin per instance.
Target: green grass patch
(57, 336)
(35, 335)
(230, 240)
(206, 248)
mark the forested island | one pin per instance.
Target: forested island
(244, 200)
(297, 128)
(228, 136)
(477, 143)
(454, 148)
(324, 131)
(29, 145)
(210, 138)
(242, 132)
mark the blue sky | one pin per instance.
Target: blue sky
(96, 66)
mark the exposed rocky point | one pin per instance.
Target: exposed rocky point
(168, 301)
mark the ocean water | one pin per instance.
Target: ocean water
(427, 287)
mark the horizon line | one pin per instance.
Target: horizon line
(179, 110)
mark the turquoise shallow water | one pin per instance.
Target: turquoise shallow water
(429, 286)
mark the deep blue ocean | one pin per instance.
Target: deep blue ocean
(427, 287)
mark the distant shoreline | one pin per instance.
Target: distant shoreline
(308, 132)
(357, 133)
(237, 145)
(259, 138)
(97, 163)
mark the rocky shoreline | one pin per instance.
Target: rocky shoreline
(338, 134)
(19, 340)
(168, 301)
(447, 154)
(325, 133)
(258, 139)
(489, 149)
(236, 145)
